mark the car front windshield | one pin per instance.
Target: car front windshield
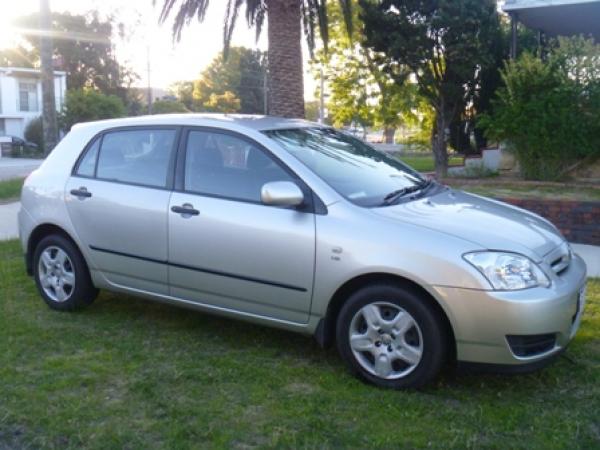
(360, 173)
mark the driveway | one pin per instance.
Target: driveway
(8, 221)
(17, 167)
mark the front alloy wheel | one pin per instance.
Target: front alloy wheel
(392, 336)
(386, 340)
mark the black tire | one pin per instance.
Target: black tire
(83, 292)
(431, 340)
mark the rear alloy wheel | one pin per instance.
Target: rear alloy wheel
(61, 274)
(56, 274)
(391, 337)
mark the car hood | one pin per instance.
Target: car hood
(488, 223)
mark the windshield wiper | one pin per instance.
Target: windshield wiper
(399, 193)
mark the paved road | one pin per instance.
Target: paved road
(17, 167)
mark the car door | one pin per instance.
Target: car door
(226, 248)
(118, 198)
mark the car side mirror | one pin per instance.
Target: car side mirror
(281, 193)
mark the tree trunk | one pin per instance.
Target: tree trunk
(389, 133)
(48, 101)
(286, 84)
(439, 144)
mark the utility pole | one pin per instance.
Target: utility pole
(149, 93)
(322, 98)
(266, 92)
(50, 127)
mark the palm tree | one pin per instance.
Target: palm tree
(285, 20)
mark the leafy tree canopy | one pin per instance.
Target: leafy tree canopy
(83, 105)
(233, 84)
(166, 106)
(549, 110)
(83, 47)
(361, 90)
(444, 43)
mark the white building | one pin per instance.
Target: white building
(21, 97)
(557, 17)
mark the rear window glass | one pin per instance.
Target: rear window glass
(136, 156)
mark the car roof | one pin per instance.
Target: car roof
(252, 122)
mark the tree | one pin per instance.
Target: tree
(222, 103)
(242, 74)
(184, 92)
(548, 110)
(165, 106)
(360, 91)
(17, 57)
(84, 105)
(311, 109)
(284, 22)
(49, 123)
(443, 42)
(34, 132)
(83, 44)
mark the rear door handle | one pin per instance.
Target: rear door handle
(185, 210)
(82, 193)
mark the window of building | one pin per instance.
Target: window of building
(28, 96)
(2, 127)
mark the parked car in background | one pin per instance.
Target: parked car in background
(13, 145)
(294, 225)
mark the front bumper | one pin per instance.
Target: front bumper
(482, 320)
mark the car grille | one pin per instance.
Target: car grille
(531, 345)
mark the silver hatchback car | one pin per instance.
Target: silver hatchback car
(291, 224)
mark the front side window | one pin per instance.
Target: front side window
(227, 166)
(360, 173)
(136, 156)
(28, 96)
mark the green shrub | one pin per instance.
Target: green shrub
(168, 107)
(84, 105)
(34, 132)
(549, 111)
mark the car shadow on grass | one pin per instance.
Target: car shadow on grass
(195, 329)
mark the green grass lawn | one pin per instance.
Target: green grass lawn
(10, 189)
(491, 189)
(127, 373)
(425, 163)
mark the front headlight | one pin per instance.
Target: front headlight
(508, 271)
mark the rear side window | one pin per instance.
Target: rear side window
(87, 165)
(142, 157)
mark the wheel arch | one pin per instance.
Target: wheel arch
(39, 233)
(325, 332)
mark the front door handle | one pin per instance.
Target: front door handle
(82, 193)
(185, 210)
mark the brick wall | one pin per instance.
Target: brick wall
(578, 221)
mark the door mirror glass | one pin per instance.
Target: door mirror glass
(281, 193)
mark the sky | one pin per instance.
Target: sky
(169, 61)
